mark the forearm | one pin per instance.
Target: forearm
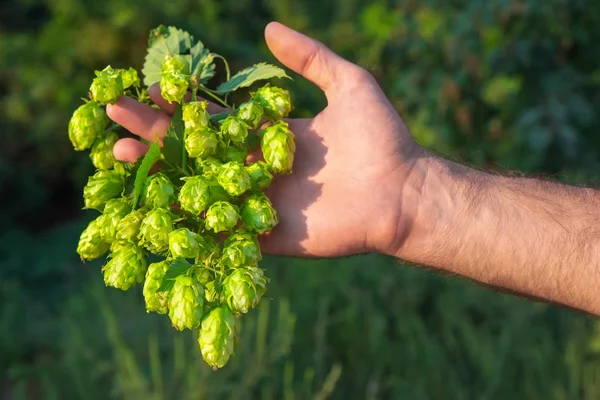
(534, 237)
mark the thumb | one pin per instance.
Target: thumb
(306, 56)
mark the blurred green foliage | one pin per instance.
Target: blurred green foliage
(502, 84)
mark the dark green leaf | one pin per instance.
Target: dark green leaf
(202, 63)
(151, 157)
(219, 116)
(163, 41)
(173, 145)
(250, 75)
(166, 285)
(178, 266)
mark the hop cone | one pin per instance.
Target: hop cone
(221, 216)
(258, 213)
(232, 154)
(108, 86)
(201, 143)
(184, 243)
(208, 167)
(195, 116)
(234, 178)
(194, 196)
(186, 303)
(158, 192)
(126, 267)
(209, 249)
(217, 336)
(174, 79)
(204, 276)
(278, 145)
(155, 301)
(211, 294)
(155, 229)
(260, 176)
(275, 101)
(114, 211)
(128, 228)
(91, 245)
(251, 113)
(101, 187)
(234, 129)
(241, 249)
(102, 151)
(130, 78)
(87, 124)
(244, 288)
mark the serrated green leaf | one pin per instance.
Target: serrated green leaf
(151, 157)
(163, 41)
(203, 65)
(219, 116)
(248, 76)
(173, 144)
(178, 266)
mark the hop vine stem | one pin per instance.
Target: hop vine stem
(212, 94)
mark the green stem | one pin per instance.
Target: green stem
(214, 96)
(227, 71)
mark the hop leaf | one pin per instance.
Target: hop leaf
(155, 301)
(234, 178)
(251, 113)
(174, 80)
(221, 216)
(186, 303)
(258, 213)
(234, 129)
(201, 143)
(194, 196)
(108, 86)
(217, 336)
(101, 187)
(278, 145)
(158, 192)
(275, 101)
(241, 248)
(128, 228)
(184, 243)
(126, 267)
(260, 176)
(155, 229)
(244, 288)
(86, 125)
(91, 245)
(102, 151)
(114, 211)
(195, 116)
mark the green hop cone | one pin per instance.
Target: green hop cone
(155, 301)
(114, 211)
(158, 191)
(126, 267)
(221, 216)
(184, 243)
(232, 154)
(234, 129)
(251, 113)
(209, 250)
(102, 151)
(211, 294)
(203, 275)
(194, 196)
(194, 115)
(186, 303)
(208, 167)
(241, 248)
(201, 143)
(244, 288)
(275, 101)
(216, 337)
(130, 78)
(258, 213)
(174, 79)
(278, 146)
(128, 227)
(108, 86)
(91, 245)
(101, 187)
(86, 125)
(155, 229)
(234, 178)
(260, 176)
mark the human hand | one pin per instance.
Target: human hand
(347, 192)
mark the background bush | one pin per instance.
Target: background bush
(501, 84)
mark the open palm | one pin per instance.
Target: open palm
(352, 165)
